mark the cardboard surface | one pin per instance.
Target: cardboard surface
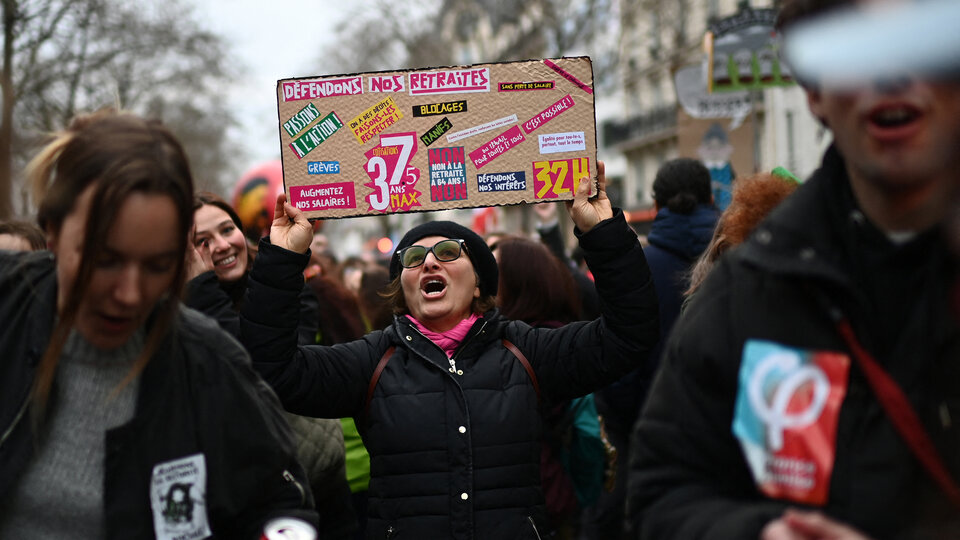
(439, 138)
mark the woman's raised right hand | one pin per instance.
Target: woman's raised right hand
(290, 228)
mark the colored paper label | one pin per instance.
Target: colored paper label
(436, 109)
(393, 178)
(785, 417)
(386, 83)
(553, 143)
(297, 90)
(548, 114)
(507, 181)
(301, 120)
(482, 128)
(323, 167)
(435, 132)
(569, 76)
(324, 196)
(448, 174)
(375, 120)
(554, 178)
(496, 147)
(460, 81)
(314, 137)
(523, 86)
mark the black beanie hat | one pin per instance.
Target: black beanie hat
(483, 261)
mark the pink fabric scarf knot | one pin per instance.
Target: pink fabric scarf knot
(451, 339)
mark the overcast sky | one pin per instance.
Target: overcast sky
(273, 40)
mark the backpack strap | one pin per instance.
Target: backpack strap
(900, 412)
(376, 377)
(526, 365)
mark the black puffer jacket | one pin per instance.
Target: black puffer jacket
(454, 455)
(199, 402)
(815, 254)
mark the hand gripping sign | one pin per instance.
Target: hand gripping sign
(438, 138)
(788, 402)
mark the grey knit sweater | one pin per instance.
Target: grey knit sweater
(60, 494)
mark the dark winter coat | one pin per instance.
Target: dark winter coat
(197, 395)
(454, 454)
(319, 441)
(815, 254)
(675, 242)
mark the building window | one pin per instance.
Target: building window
(655, 33)
(656, 91)
(639, 172)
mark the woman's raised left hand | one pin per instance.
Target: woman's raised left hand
(587, 212)
(290, 228)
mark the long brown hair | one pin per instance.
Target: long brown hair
(121, 154)
(535, 287)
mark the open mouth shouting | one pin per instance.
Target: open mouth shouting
(433, 287)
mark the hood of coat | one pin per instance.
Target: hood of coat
(801, 236)
(686, 235)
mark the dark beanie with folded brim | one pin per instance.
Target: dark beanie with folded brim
(480, 255)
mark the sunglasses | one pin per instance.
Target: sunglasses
(444, 250)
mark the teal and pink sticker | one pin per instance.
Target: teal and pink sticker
(785, 417)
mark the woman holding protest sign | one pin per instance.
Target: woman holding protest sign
(218, 262)
(122, 414)
(446, 398)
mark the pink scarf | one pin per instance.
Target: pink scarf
(449, 340)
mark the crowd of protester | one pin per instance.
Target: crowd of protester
(786, 369)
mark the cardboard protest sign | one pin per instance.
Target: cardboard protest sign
(440, 138)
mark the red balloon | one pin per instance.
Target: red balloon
(255, 196)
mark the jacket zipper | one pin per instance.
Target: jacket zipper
(16, 420)
(452, 360)
(289, 478)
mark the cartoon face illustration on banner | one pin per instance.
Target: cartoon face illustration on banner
(393, 178)
(788, 402)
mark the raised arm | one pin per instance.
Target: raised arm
(583, 357)
(310, 380)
